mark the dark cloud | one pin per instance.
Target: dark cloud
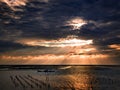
(9, 46)
(40, 19)
(46, 20)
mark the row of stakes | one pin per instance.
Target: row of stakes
(19, 80)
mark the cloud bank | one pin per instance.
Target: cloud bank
(51, 22)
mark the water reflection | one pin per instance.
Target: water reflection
(62, 78)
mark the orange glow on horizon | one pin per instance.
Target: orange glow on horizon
(56, 59)
(115, 46)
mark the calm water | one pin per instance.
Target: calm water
(60, 78)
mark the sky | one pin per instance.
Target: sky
(60, 32)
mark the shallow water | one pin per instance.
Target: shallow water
(60, 78)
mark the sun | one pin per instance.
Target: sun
(76, 23)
